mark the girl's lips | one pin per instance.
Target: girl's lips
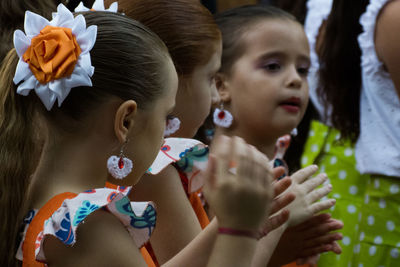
(290, 108)
(291, 105)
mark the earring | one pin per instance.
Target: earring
(119, 167)
(294, 132)
(222, 117)
(173, 124)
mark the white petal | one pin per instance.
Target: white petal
(78, 78)
(98, 5)
(27, 86)
(58, 89)
(46, 96)
(81, 8)
(64, 17)
(87, 39)
(34, 23)
(85, 63)
(21, 42)
(113, 7)
(22, 72)
(79, 25)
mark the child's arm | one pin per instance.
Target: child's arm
(177, 224)
(387, 44)
(101, 241)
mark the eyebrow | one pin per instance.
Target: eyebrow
(281, 55)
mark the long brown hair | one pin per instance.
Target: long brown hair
(340, 66)
(130, 63)
(186, 27)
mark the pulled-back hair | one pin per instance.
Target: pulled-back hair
(340, 70)
(12, 14)
(187, 28)
(130, 62)
(234, 22)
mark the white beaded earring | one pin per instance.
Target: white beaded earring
(222, 117)
(173, 124)
(119, 166)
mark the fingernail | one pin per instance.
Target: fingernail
(315, 167)
(330, 186)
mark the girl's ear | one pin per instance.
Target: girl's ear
(125, 119)
(222, 84)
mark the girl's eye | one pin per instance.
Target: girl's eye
(303, 71)
(273, 67)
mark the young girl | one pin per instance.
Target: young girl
(358, 106)
(263, 84)
(102, 118)
(195, 52)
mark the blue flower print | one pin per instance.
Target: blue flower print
(65, 234)
(84, 211)
(147, 220)
(188, 157)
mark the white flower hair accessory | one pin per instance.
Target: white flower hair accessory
(53, 55)
(98, 5)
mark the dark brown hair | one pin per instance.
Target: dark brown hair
(186, 27)
(340, 70)
(130, 63)
(234, 22)
(12, 14)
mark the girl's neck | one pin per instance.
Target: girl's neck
(71, 165)
(266, 145)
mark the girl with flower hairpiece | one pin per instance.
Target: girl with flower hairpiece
(62, 75)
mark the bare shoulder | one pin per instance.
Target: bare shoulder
(154, 187)
(387, 40)
(101, 241)
(386, 37)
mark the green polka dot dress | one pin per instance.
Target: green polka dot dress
(369, 206)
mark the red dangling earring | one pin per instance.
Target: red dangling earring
(222, 117)
(119, 167)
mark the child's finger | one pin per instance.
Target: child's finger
(322, 205)
(260, 170)
(313, 183)
(245, 161)
(314, 222)
(222, 151)
(301, 175)
(281, 202)
(325, 239)
(278, 172)
(336, 248)
(281, 185)
(323, 228)
(276, 221)
(210, 173)
(319, 193)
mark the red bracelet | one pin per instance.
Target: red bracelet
(247, 233)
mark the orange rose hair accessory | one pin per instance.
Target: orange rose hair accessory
(54, 56)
